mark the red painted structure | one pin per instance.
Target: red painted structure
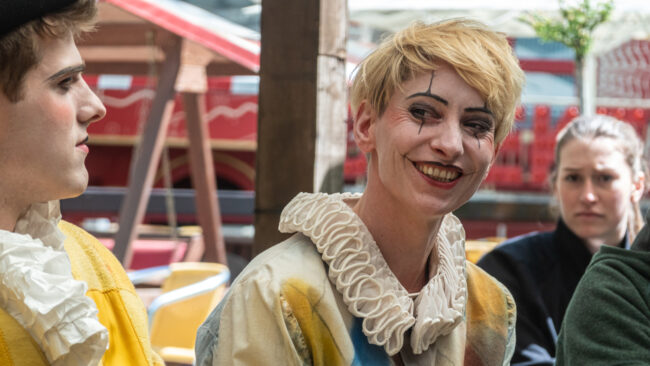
(232, 127)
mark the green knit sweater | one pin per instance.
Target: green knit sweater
(608, 319)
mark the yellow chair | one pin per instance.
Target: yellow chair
(190, 291)
(475, 249)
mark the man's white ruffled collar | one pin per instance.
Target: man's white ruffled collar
(369, 288)
(38, 290)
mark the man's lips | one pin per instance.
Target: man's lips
(82, 145)
(83, 142)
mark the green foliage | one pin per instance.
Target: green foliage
(575, 27)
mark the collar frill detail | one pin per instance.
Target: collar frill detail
(38, 290)
(369, 288)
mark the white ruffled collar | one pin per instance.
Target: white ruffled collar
(38, 290)
(369, 288)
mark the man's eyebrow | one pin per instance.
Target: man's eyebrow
(479, 109)
(67, 70)
(430, 95)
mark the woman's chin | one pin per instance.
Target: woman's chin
(594, 235)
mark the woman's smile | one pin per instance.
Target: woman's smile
(439, 172)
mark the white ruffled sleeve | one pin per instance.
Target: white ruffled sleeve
(38, 290)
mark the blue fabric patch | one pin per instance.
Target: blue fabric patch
(365, 353)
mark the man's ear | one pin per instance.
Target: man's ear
(364, 126)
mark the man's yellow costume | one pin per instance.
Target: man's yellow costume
(120, 309)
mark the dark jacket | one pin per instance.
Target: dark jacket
(541, 270)
(608, 319)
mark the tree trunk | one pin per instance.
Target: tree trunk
(585, 73)
(579, 69)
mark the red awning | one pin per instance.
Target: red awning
(239, 50)
(130, 35)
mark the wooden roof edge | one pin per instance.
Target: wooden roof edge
(240, 50)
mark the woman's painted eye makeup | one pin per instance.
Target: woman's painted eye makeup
(479, 126)
(423, 112)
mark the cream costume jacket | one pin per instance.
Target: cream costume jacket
(65, 299)
(327, 297)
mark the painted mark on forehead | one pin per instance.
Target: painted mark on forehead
(478, 141)
(428, 94)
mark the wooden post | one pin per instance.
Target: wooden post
(202, 169)
(331, 98)
(192, 82)
(184, 71)
(147, 156)
(301, 128)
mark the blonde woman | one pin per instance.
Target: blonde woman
(380, 278)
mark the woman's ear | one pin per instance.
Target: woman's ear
(497, 147)
(638, 188)
(364, 127)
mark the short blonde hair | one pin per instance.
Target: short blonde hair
(482, 58)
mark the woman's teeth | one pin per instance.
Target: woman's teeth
(439, 174)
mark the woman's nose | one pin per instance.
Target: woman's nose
(448, 140)
(92, 109)
(588, 194)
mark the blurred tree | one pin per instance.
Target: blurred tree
(574, 29)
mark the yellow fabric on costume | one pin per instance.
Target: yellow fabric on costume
(65, 298)
(17, 347)
(491, 315)
(302, 303)
(120, 309)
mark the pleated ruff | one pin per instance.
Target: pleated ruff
(368, 287)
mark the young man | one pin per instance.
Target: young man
(64, 299)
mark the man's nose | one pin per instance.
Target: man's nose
(92, 109)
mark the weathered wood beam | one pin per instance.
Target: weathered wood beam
(121, 54)
(147, 156)
(215, 144)
(125, 34)
(203, 178)
(331, 103)
(301, 106)
(192, 82)
(143, 68)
